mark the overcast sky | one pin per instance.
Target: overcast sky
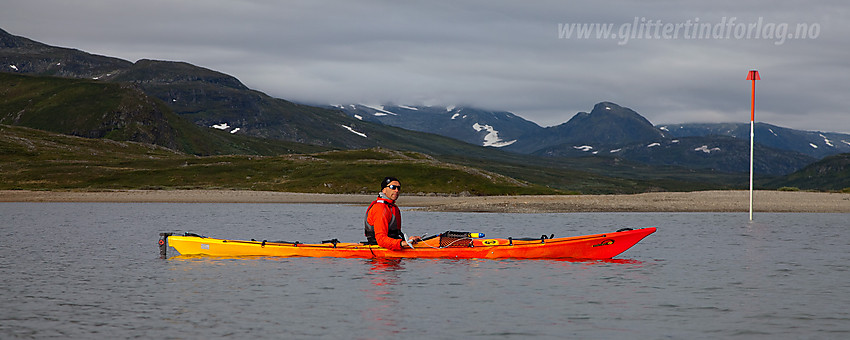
(521, 56)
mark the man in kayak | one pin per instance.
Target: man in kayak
(383, 218)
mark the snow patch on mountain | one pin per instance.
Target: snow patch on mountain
(455, 116)
(826, 140)
(492, 137)
(705, 149)
(225, 126)
(653, 145)
(380, 109)
(354, 131)
(813, 145)
(584, 148)
(408, 108)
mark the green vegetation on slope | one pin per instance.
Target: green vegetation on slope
(35, 160)
(831, 173)
(119, 112)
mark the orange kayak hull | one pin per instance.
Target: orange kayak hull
(598, 246)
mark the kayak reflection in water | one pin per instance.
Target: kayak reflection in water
(383, 218)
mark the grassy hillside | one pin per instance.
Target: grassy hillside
(36, 160)
(119, 112)
(603, 175)
(831, 173)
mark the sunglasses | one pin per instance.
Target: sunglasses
(394, 187)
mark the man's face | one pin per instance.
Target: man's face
(390, 192)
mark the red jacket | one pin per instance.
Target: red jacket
(383, 224)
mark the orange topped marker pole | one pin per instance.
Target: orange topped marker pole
(753, 75)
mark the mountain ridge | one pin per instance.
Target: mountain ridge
(609, 130)
(607, 124)
(816, 144)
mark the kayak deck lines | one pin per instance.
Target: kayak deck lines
(446, 245)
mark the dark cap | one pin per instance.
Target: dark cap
(387, 181)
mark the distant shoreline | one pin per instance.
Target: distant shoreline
(700, 201)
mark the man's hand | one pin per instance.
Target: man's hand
(410, 241)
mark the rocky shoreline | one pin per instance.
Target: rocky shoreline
(700, 201)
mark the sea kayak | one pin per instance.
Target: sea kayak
(446, 245)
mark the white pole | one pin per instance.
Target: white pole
(752, 137)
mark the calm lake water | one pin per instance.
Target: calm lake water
(92, 270)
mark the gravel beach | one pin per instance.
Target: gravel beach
(700, 201)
